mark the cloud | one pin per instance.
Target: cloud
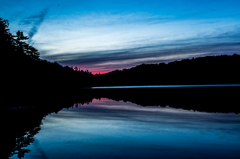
(89, 33)
(36, 20)
(226, 43)
(103, 42)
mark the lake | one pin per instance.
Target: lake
(115, 129)
(167, 86)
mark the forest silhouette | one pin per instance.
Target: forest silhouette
(221, 69)
(23, 69)
(26, 77)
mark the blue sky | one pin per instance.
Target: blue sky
(115, 34)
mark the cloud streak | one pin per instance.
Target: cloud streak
(103, 39)
(36, 20)
(226, 43)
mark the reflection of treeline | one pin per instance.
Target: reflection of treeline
(202, 70)
(218, 99)
(18, 126)
(22, 69)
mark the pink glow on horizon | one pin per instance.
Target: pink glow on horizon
(103, 72)
(92, 70)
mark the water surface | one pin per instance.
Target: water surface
(111, 129)
(167, 86)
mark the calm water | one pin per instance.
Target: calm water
(168, 86)
(111, 129)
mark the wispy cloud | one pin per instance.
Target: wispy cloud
(107, 41)
(35, 20)
(92, 33)
(106, 35)
(227, 43)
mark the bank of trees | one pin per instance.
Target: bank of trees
(15, 46)
(22, 70)
(21, 67)
(222, 69)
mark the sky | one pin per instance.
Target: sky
(101, 36)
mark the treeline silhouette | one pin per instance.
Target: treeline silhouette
(22, 69)
(205, 99)
(26, 78)
(202, 70)
(23, 73)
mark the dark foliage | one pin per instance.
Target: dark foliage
(23, 73)
(222, 69)
(23, 69)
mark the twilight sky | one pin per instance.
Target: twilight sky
(103, 35)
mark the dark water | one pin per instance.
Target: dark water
(168, 86)
(111, 129)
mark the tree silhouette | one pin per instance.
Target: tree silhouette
(22, 69)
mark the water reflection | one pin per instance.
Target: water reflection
(111, 129)
(166, 86)
(206, 99)
(17, 130)
(20, 122)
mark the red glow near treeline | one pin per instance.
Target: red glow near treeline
(103, 72)
(89, 69)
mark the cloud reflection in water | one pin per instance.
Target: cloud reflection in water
(108, 129)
